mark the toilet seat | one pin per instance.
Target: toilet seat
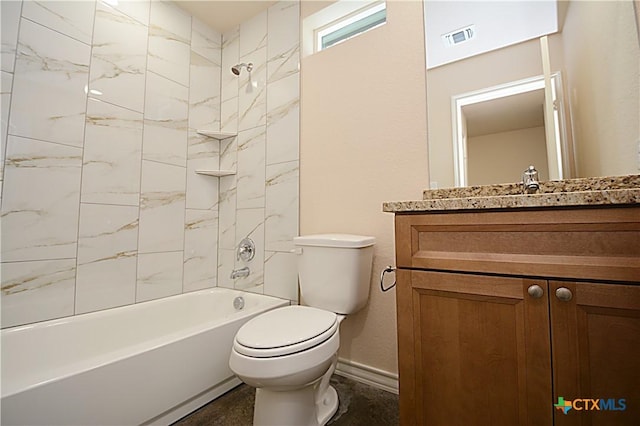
(285, 331)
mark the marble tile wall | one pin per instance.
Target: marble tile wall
(101, 206)
(261, 200)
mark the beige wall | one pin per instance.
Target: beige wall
(363, 142)
(516, 150)
(364, 132)
(602, 62)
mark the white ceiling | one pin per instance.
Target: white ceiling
(497, 24)
(223, 15)
(515, 112)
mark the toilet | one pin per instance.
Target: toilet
(289, 354)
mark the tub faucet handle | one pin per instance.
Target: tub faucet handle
(246, 250)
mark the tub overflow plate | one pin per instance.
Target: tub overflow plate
(238, 303)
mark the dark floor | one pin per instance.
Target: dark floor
(359, 405)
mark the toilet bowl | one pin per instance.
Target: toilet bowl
(289, 354)
(285, 354)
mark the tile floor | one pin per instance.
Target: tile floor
(359, 405)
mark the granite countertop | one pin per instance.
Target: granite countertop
(569, 192)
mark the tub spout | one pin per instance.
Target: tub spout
(238, 273)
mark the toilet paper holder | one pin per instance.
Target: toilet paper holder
(387, 270)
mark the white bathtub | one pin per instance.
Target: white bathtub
(149, 363)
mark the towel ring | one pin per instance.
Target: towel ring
(388, 269)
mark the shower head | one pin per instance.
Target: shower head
(237, 68)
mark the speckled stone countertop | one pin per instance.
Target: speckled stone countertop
(569, 192)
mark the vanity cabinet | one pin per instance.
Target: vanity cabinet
(501, 312)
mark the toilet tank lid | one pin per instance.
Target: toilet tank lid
(335, 240)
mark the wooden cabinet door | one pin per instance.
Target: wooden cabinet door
(596, 352)
(473, 350)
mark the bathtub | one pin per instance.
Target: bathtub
(148, 363)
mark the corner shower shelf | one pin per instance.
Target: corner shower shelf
(215, 134)
(216, 173)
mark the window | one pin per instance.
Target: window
(364, 19)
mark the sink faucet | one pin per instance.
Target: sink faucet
(530, 182)
(240, 273)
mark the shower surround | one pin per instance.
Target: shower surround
(101, 206)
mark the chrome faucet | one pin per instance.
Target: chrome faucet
(240, 273)
(530, 182)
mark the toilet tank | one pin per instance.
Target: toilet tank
(335, 270)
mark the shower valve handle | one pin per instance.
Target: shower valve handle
(246, 250)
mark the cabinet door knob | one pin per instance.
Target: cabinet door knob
(535, 291)
(564, 294)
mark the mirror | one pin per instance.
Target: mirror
(595, 57)
(508, 122)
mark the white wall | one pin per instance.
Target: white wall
(100, 203)
(363, 142)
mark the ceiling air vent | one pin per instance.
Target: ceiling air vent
(459, 36)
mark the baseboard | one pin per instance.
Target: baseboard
(368, 375)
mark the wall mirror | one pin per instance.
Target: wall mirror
(594, 51)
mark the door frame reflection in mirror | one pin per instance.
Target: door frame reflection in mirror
(501, 91)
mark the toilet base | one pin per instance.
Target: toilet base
(328, 406)
(294, 408)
